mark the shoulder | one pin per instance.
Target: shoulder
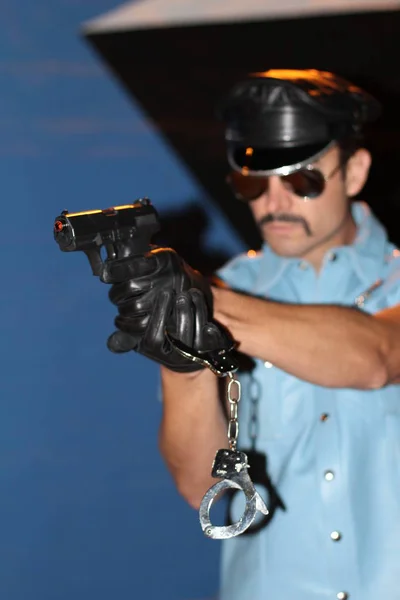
(391, 282)
(241, 271)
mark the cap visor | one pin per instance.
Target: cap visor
(273, 161)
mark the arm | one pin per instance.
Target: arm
(193, 428)
(332, 346)
(154, 294)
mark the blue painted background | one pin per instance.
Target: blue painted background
(87, 508)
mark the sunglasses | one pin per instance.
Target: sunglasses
(307, 183)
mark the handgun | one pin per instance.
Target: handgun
(123, 231)
(126, 231)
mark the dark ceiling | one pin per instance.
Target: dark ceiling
(177, 75)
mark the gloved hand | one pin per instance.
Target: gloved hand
(160, 292)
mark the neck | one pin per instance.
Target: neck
(343, 235)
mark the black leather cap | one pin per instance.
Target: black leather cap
(286, 118)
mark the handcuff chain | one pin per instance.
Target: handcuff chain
(254, 424)
(233, 396)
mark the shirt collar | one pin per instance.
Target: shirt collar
(366, 254)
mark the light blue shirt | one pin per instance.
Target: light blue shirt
(333, 454)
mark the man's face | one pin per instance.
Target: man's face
(293, 227)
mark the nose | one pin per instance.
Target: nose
(277, 198)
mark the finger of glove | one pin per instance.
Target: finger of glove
(200, 309)
(129, 291)
(134, 325)
(209, 335)
(120, 342)
(158, 319)
(116, 271)
(183, 327)
(132, 295)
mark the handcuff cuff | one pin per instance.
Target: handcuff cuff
(258, 469)
(230, 465)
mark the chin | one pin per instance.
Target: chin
(286, 250)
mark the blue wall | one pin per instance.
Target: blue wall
(87, 507)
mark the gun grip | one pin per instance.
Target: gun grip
(95, 260)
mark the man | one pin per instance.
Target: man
(318, 309)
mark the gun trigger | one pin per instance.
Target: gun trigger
(95, 261)
(111, 251)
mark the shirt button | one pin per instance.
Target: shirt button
(329, 475)
(324, 417)
(336, 536)
(332, 256)
(303, 265)
(342, 596)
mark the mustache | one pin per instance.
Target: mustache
(284, 218)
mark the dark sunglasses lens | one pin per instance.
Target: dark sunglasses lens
(308, 183)
(247, 187)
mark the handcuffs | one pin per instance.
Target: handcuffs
(230, 465)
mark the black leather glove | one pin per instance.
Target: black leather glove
(160, 292)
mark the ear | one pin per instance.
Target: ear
(357, 170)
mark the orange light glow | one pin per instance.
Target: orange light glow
(97, 211)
